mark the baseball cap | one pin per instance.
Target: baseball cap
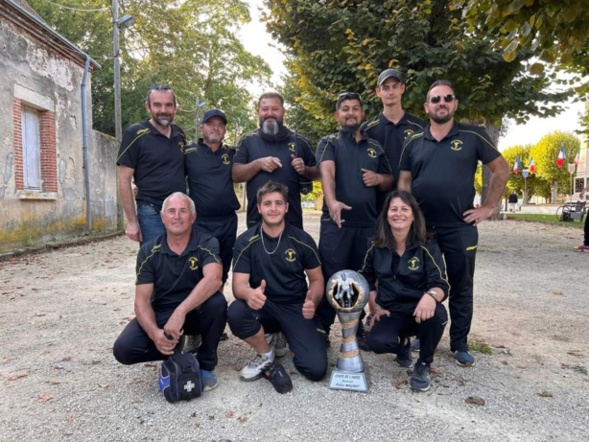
(214, 113)
(389, 73)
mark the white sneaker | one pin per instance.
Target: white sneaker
(278, 341)
(255, 368)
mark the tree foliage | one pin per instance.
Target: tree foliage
(343, 45)
(557, 29)
(192, 45)
(545, 153)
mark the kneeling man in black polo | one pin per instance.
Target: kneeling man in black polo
(270, 262)
(176, 293)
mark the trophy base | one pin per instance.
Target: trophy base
(345, 380)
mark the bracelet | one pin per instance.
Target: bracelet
(433, 294)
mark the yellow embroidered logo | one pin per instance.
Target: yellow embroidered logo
(193, 263)
(408, 133)
(413, 264)
(142, 131)
(225, 158)
(371, 152)
(292, 147)
(181, 145)
(290, 255)
(456, 145)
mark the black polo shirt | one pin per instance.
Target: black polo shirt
(283, 268)
(158, 161)
(402, 280)
(251, 147)
(174, 276)
(350, 158)
(209, 180)
(392, 136)
(443, 172)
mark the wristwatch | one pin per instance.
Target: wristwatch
(433, 294)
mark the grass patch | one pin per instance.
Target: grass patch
(545, 219)
(480, 347)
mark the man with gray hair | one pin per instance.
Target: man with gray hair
(176, 293)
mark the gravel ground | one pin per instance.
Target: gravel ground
(62, 310)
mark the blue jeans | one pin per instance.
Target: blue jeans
(150, 222)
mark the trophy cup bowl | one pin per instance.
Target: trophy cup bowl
(347, 292)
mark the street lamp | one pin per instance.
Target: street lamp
(571, 168)
(117, 25)
(525, 174)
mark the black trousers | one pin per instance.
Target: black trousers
(225, 230)
(133, 346)
(305, 337)
(586, 231)
(340, 249)
(388, 335)
(459, 245)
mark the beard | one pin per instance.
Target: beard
(441, 120)
(163, 120)
(271, 128)
(350, 129)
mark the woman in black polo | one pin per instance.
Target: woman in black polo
(412, 284)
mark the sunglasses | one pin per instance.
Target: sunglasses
(447, 98)
(347, 96)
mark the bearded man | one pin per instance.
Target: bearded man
(274, 152)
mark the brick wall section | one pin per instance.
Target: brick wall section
(18, 154)
(48, 151)
(48, 154)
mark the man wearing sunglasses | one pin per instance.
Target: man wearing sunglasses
(438, 166)
(152, 155)
(274, 152)
(393, 125)
(352, 167)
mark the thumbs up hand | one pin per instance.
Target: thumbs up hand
(257, 298)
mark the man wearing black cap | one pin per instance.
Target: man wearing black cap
(151, 155)
(274, 152)
(208, 171)
(353, 167)
(393, 125)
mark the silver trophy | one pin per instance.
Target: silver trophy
(348, 292)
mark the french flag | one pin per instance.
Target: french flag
(532, 166)
(577, 160)
(517, 166)
(561, 157)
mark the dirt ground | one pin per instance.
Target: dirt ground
(61, 311)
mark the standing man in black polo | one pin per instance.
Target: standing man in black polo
(208, 172)
(353, 167)
(438, 166)
(274, 152)
(151, 155)
(176, 293)
(271, 262)
(393, 125)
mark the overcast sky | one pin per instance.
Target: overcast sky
(259, 42)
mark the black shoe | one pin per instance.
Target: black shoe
(420, 380)
(278, 377)
(362, 339)
(404, 358)
(224, 337)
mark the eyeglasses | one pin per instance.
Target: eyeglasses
(347, 96)
(157, 87)
(447, 98)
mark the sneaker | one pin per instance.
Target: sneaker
(415, 344)
(278, 341)
(464, 358)
(582, 248)
(420, 380)
(278, 377)
(209, 380)
(404, 358)
(255, 368)
(191, 343)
